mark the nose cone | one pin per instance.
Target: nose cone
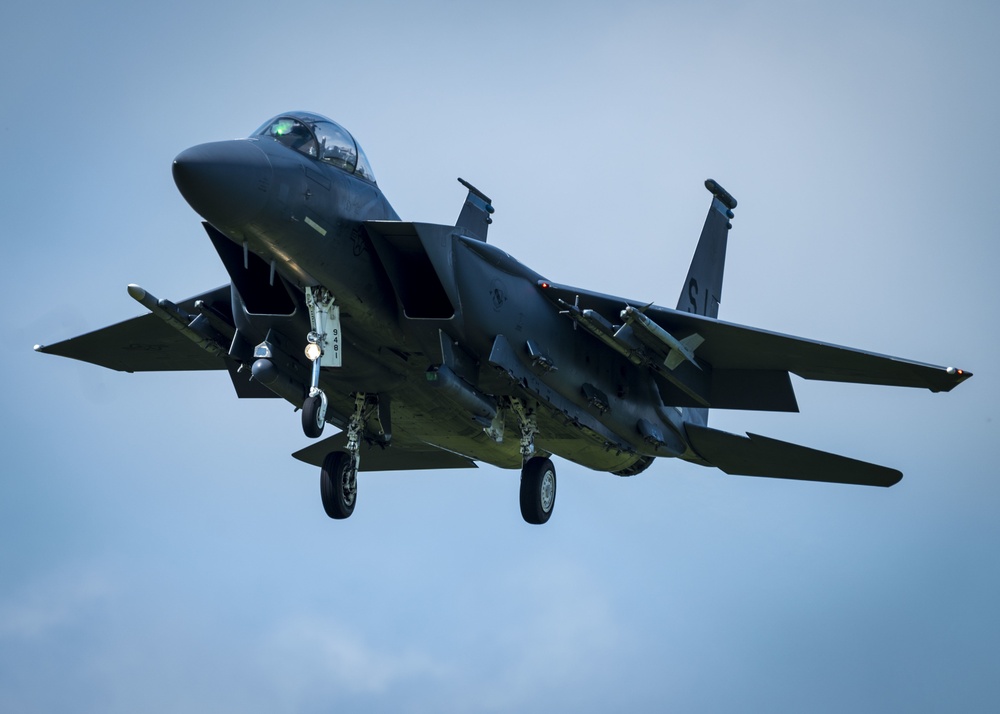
(226, 182)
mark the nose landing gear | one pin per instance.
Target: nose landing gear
(323, 350)
(314, 414)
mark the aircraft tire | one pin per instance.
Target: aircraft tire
(338, 485)
(312, 425)
(538, 490)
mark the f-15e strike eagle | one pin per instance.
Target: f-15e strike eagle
(430, 348)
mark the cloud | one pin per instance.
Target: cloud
(314, 652)
(56, 601)
(526, 645)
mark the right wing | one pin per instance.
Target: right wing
(146, 343)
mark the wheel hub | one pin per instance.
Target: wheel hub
(548, 489)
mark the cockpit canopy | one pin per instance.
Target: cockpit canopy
(319, 138)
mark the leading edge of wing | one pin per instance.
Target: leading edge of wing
(397, 457)
(731, 346)
(755, 455)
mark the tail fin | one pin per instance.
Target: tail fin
(703, 288)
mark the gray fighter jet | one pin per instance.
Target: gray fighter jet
(430, 348)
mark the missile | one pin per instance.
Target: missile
(680, 350)
(197, 328)
(599, 327)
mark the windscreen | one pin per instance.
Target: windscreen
(319, 138)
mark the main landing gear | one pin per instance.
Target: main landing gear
(538, 490)
(338, 484)
(338, 478)
(538, 475)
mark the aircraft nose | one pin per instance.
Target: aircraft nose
(226, 182)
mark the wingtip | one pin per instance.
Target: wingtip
(892, 477)
(961, 374)
(956, 377)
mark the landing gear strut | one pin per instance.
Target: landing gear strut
(323, 350)
(538, 475)
(338, 478)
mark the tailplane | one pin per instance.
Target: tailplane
(754, 455)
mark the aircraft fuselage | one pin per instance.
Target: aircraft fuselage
(310, 224)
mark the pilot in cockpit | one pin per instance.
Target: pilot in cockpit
(294, 135)
(319, 138)
(301, 139)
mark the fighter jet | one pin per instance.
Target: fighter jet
(428, 347)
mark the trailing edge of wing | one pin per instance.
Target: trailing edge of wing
(755, 455)
(398, 457)
(143, 344)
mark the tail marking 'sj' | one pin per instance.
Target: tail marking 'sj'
(702, 289)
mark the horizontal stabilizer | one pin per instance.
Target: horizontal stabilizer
(398, 457)
(755, 455)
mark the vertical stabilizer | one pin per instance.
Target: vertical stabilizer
(702, 290)
(475, 219)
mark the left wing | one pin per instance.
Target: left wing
(743, 351)
(730, 346)
(147, 343)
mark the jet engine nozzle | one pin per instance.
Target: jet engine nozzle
(226, 182)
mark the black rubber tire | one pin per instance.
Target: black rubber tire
(311, 424)
(338, 485)
(538, 490)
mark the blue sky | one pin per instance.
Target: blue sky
(159, 548)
